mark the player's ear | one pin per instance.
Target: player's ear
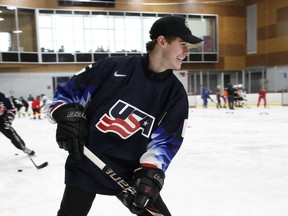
(161, 40)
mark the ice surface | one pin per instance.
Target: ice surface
(230, 164)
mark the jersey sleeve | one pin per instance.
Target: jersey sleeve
(6, 102)
(168, 136)
(80, 87)
(6, 105)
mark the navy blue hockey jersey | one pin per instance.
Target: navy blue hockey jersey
(5, 101)
(134, 116)
(5, 105)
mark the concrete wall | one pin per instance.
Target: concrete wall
(23, 84)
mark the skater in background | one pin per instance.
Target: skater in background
(218, 97)
(45, 101)
(231, 95)
(45, 104)
(17, 104)
(225, 98)
(134, 120)
(30, 98)
(240, 95)
(262, 96)
(25, 105)
(36, 108)
(7, 115)
(205, 95)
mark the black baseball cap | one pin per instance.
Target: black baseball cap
(173, 26)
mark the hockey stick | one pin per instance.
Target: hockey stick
(38, 166)
(117, 179)
(8, 126)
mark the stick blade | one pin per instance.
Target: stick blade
(38, 166)
(42, 165)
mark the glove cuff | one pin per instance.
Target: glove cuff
(155, 174)
(69, 112)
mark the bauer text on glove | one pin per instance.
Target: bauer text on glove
(71, 133)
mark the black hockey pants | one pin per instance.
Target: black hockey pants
(76, 202)
(11, 134)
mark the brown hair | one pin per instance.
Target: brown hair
(151, 44)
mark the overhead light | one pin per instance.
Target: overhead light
(1, 19)
(11, 8)
(17, 31)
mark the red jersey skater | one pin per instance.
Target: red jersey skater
(36, 107)
(262, 95)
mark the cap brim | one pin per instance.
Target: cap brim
(191, 39)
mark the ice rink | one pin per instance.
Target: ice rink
(230, 164)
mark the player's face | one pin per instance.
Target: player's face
(175, 53)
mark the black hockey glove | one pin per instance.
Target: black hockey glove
(71, 133)
(147, 182)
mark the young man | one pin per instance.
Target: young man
(131, 113)
(7, 115)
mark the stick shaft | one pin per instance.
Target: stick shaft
(121, 182)
(99, 163)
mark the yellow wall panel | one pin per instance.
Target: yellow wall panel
(274, 45)
(234, 63)
(262, 47)
(278, 44)
(232, 30)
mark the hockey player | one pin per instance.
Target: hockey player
(17, 104)
(36, 108)
(45, 104)
(131, 113)
(7, 115)
(225, 97)
(45, 101)
(262, 95)
(205, 95)
(218, 97)
(25, 105)
(231, 95)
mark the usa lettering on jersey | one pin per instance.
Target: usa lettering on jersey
(125, 120)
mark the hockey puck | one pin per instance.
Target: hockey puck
(20, 170)
(16, 154)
